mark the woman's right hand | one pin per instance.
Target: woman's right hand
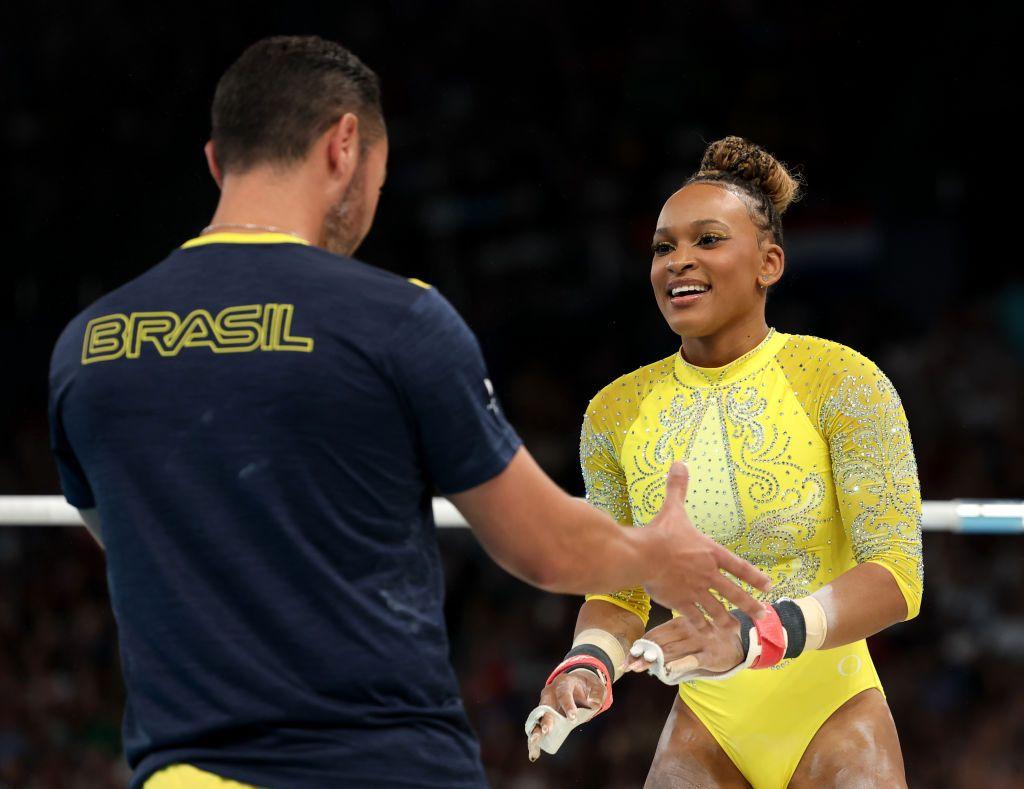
(580, 687)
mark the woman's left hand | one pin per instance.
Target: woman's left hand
(689, 647)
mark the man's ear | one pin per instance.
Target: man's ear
(211, 162)
(343, 149)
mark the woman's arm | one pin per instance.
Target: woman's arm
(623, 624)
(879, 498)
(582, 687)
(859, 603)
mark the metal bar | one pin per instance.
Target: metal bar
(966, 516)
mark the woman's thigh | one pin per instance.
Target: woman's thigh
(688, 756)
(856, 747)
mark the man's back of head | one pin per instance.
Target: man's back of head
(298, 142)
(282, 94)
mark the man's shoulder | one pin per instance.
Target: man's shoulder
(361, 288)
(341, 267)
(67, 350)
(341, 281)
(304, 265)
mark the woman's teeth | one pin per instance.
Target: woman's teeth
(686, 290)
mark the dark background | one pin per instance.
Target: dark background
(532, 145)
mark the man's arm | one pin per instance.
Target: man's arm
(91, 519)
(541, 534)
(528, 524)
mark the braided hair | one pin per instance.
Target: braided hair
(760, 180)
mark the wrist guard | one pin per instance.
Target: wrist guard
(780, 634)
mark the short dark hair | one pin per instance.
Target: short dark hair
(283, 93)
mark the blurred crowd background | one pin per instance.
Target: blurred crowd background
(532, 145)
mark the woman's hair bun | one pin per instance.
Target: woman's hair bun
(742, 160)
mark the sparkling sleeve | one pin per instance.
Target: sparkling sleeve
(605, 484)
(875, 475)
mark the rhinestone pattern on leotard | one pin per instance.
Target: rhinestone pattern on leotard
(799, 454)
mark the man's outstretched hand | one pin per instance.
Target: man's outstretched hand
(686, 565)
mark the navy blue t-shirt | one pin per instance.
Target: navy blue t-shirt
(260, 425)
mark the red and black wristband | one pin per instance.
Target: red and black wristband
(782, 633)
(596, 652)
(582, 657)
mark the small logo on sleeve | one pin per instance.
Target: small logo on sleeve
(492, 405)
(247, 327)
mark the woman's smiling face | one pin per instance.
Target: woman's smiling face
(710, 263)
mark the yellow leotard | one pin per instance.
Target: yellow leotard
(185, 776)
(801, 462)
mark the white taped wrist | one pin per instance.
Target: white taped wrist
(602, 639)
(815, 622)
